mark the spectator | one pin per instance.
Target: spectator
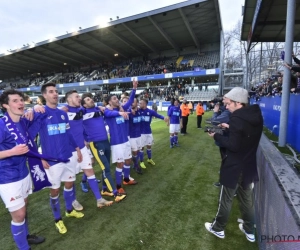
(154, 106)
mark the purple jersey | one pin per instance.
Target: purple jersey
(56, 138)
(118, 128)
(135, 124)
(93, 123)
(94, 127)
(175, 114)
(12, 168)
(75, 115)
(146, 118)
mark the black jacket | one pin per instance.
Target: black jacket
(246, 125)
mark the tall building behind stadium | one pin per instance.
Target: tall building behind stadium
(176, 49)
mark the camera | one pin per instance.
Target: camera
(214, 129)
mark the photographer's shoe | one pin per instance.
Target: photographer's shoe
(249, 237)
(217, 184)
(220, 234)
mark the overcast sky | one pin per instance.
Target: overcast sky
(23, 22)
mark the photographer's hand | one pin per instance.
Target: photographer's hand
(216, 108)
(211, 134)
(224, 125)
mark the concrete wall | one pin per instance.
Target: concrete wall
(277, 200)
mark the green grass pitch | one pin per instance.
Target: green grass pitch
(167, 209)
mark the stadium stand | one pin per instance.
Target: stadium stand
(205, 60)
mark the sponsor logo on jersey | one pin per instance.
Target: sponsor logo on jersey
(63, 117)
(55, 129)
(49, 117)
(146, 118)
(120, 120)
(136, 119)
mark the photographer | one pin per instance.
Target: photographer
(221, 116)
(239, 169)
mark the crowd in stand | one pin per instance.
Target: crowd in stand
(273, 86)
(108, 70)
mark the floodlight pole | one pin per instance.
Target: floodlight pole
(288, 49)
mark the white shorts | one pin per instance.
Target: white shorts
(147, 140)
(62, 172)
(86, 159)
(174, 128)
(136, 143)
(14, 193)
(120, 152)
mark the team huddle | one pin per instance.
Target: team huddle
(70, 137)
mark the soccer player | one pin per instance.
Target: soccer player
(15, 182)
(120, 146)
(146, 133)
(135, 134)
(96, 136)
(174, 114)
(75, 114)
(57, 141)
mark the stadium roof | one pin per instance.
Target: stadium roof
(190, 23)
(265, 21)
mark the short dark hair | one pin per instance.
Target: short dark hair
(26, 98)
(145, 100)
(70, 93)
(44, 87)
(108, 98)
(172, 101)
(125, 97)
(42, 99)
(85, 95)
(4, 98)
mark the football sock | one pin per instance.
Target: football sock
(126, 170)
(171, 140)
(135, 160)
(69, 198)
(94, 186)
(175, 139)
(118, 176)
(18, 231)
(149, 153)
(141, 154)
(55, 206)
(84, 177)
